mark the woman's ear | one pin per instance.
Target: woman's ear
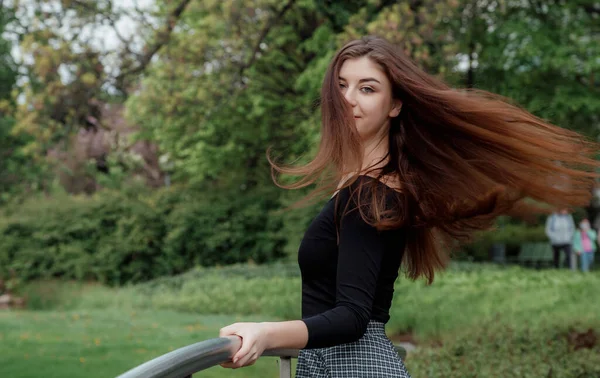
(396, 109)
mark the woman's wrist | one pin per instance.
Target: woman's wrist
(270, 334)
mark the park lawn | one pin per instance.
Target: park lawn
(474, 321)
(541, 346)
(105, 343)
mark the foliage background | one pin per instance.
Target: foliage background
(132, 158)
(139, 159)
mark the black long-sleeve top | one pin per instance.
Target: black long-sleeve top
(346, 285)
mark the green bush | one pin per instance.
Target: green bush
(213, 231)
(116, 238)
(107, 237)
(511, 235)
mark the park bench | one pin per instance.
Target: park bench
(183, 362)
(538, 254)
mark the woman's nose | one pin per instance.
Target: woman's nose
(350, 97)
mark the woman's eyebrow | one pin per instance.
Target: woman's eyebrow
(364, 80)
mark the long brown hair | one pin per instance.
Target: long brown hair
(461, 157)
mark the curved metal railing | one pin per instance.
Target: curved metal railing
(183, 362)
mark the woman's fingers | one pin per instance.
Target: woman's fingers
(247, 345)
(249, 350)
(247, 360)
(228, 365)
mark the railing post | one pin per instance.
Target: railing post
(285, 367)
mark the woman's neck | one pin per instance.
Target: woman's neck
(375, 157)
(375, 154)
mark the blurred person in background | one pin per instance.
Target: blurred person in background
(560, 228)
(584, 244)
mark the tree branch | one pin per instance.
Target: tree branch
(234, 89)
(125, 41)
(263, 34)
(162, 39)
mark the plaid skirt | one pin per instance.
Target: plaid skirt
(372, 356)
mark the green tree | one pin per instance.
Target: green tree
(13, 165)
(224, 90)
(68, 76)
(544, 55)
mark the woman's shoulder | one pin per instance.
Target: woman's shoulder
(361, 188)
(376, 199)
(391, 182)
(388, 182)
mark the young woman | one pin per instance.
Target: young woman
(415, 167)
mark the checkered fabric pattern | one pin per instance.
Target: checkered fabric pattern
(373, 356)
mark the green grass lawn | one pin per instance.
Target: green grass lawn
(474, 321)
(105, 343)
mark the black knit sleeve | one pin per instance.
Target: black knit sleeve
(361, 250)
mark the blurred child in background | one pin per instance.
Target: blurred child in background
(584, 244)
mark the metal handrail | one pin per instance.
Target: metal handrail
(185, 361)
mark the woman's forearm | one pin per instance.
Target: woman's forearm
(291, 334)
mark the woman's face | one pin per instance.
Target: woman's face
(368, 90)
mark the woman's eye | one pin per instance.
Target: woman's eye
(342, 85)
(367, 90)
